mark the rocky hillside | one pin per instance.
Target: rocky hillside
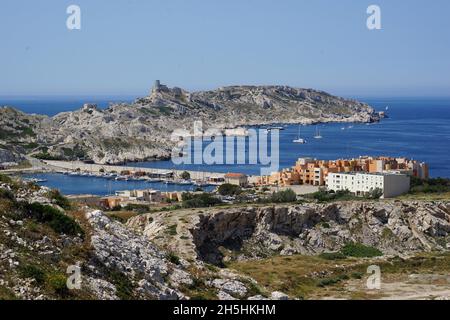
(141, 130)
(395, 228)
(39, 240)
(182, 254)
(18, 134)
(42, 234)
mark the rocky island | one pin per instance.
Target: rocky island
(141, 130)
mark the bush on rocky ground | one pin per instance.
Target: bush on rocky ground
(59, 199)
(284, 196)
(360, 250)
(228, 189)
(199, 200)
(435, 185)
(329, 196)
(54, 218)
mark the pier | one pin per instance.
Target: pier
(71, 166)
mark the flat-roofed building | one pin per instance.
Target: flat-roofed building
(239, 179)
(361, 184)
(314, 172)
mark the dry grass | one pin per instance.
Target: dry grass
(308, 277)
(426, 197)
(122, 216)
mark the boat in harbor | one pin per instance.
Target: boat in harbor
(299, 139)
(185, 182)
(318, 135)
(35, 180)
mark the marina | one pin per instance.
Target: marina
(100, 186)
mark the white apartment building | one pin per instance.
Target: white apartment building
(360, 184)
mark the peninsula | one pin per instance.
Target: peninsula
(141, 130)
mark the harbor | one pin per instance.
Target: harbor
(100, 186)
(135, 173)
(77, 177)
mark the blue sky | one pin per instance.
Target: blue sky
(124, 46)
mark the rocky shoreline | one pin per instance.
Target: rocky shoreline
(141, 130)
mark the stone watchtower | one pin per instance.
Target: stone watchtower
(157, 86)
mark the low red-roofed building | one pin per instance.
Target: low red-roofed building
(239, 179)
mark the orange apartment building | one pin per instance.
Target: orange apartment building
(314, 172)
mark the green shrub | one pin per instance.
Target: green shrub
(7, 294)
(332, 281)
(124, 286)
(34, 272)
(59, 199)
(284, 196)
(57, 220)
(139, 208)
(375, 194)
(357, 275)
(325, 225)
(435, 185)
(58, 283)
(199, 200)
(185, 175)
(172, 257)
(327, 196)
(47, 156)
(165, 110)
(360, 251)
(5, 179)
(172, 230)
(228, 189)
(7, 194)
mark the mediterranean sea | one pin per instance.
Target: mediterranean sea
(417, 128)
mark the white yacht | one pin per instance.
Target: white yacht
(299, 140)
(317, 136)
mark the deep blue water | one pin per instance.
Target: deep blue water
(53, 105)
(417, 128)
(100, 186)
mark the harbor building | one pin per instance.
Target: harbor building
(238, 179)
(309, 171)
(148, 195)
(361, 184)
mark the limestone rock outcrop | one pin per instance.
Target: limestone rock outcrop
(142, 129)
(394, 227)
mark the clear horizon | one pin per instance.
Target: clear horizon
(124, 46)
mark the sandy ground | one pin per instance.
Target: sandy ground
(299, 189)
(406, 287)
